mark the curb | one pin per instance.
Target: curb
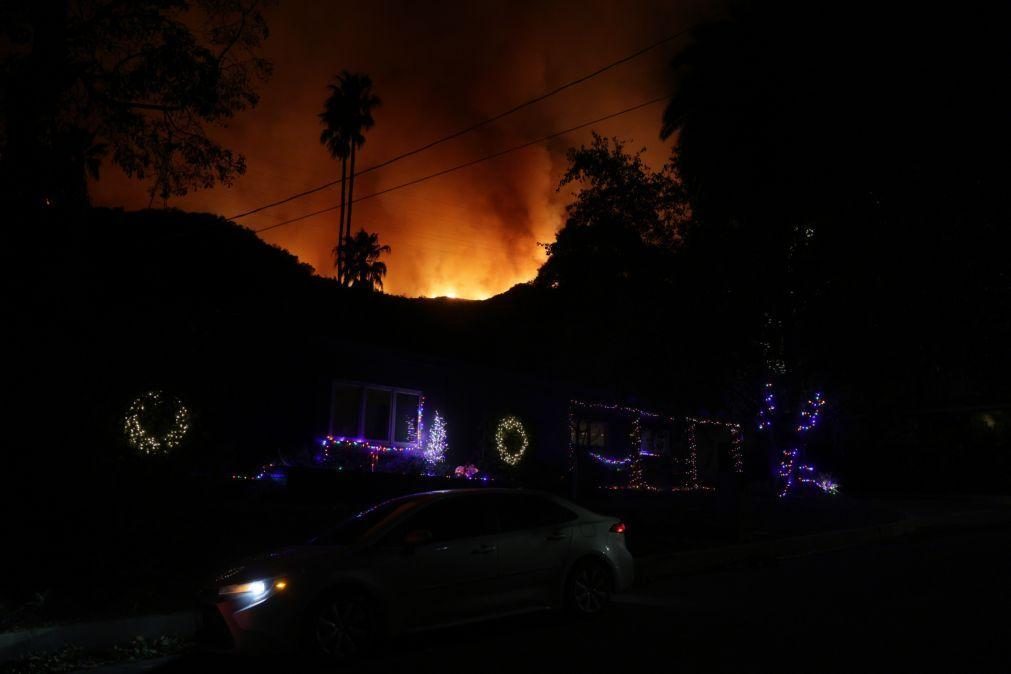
(14, 645)
(131, 667)
(656, 567)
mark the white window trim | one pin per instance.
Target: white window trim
(365, 387)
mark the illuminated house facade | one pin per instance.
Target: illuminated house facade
(620, 447)
(403, 414)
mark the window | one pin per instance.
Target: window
(529, 511)
(377, 413)
(589, 433)
(407, 418)
(455, 518)
(655, 442)
(347, 406)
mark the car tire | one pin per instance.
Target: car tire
(588, 588)
(340, 627)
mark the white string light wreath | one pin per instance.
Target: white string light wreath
(510, 426)
(143, 440)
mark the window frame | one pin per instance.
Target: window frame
(364, 389)
(583, 430)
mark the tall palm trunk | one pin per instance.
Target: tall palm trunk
(341, 261)
(351, 187)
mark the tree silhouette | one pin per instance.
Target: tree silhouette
(852, 195)
(363, 268)
(622, 225)
(346, 116)
(135, 81)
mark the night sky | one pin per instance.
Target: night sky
(439, 67)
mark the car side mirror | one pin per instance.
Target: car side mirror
(417, 537)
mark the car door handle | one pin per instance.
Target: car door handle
(483, 550)
(557, 536)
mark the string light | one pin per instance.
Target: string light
(436, 445)
(790, 470)
(636, 472)
(827, 484)
(809, 415)
(514, 427)
(146, 405)
(765, 414)
(608, 461)
(636, 477)
(414, 432)
(269, 471)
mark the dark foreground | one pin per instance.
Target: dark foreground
(939, 602)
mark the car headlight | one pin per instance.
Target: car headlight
(254, 591)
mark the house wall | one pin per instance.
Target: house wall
(473, 399)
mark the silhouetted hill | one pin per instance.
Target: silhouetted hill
(107, 304)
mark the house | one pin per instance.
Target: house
(504, 425)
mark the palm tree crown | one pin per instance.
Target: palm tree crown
(347, 113)
(362, 266)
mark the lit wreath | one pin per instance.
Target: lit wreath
(510, 425)
(139, 437)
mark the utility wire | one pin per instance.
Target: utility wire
(472, 127)
(472, 162)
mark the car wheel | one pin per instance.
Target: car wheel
(588, 591)
(341, 627)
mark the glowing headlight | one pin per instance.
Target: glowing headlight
(255, 590)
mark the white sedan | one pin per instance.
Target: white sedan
(417, 562)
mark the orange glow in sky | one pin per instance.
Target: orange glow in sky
(473, 233)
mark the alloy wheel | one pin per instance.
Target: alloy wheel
(343, 628)
(591, 588)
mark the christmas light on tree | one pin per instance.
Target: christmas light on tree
(791, 470)
(436, 446)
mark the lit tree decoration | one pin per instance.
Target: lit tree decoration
(827, 484)
(791, 471)
(511, 426)
(152, 406)
(436, 445)
(809, 415)
(769, 406)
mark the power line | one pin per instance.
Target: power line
(472, 127)
(472, 162)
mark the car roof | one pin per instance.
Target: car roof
(478, 490)
(438, 494)
(443, 493)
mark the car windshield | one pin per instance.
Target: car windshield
(358, 527)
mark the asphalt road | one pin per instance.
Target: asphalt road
(907, 605)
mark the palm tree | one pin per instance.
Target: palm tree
(362, 268)
(346, 116)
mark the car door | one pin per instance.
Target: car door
(533, 546)
(448, 577)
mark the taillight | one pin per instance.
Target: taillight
(618, 528)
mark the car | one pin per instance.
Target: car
(417, 562)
